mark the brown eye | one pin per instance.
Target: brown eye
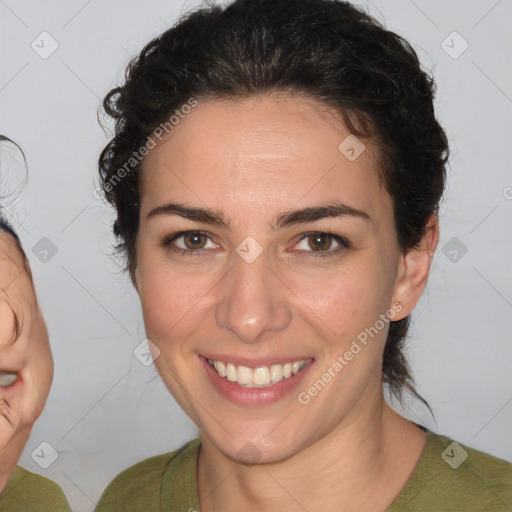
(320, 241)
(188, 243)
(194, 240)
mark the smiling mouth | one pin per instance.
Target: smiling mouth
(7, 378)
(260, 377)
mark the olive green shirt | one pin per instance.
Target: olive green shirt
(449, 477)
(28, 492)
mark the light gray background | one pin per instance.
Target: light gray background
(106, 410)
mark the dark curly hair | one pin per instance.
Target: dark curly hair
(328, 50)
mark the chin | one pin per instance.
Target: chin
(253, 445)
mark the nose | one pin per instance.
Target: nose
(252, 301)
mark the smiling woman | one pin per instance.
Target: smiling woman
(26, 372)
(279, 234)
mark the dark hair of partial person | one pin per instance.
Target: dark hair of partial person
(328, 50)
(7, 227)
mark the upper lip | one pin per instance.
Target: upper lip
(255, 362)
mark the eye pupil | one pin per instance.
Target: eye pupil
(319, 241)
(195, 239)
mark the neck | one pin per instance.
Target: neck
(361, 465)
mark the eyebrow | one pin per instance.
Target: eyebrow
(205, 215)
(286, 218)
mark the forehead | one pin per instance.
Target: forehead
(10, 254)
(15, 280)
(270, 151)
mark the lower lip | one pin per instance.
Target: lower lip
(254, 396)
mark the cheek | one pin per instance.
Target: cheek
(170, 299)
(42, 368)
(7, 430)
(39, 370)
(345, 300)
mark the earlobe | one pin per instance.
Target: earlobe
(414, 268)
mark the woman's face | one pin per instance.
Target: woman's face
(264, 287)
(26, 365)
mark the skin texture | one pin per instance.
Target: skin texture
(253, 159)
(29, 355)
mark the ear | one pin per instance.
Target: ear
(414, 268)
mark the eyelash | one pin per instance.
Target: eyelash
(344, 244)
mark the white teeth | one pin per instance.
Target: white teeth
(260, 377)
(7, 378)
(276, 372)
(221, 368)
(231, 372)
(244, 376)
